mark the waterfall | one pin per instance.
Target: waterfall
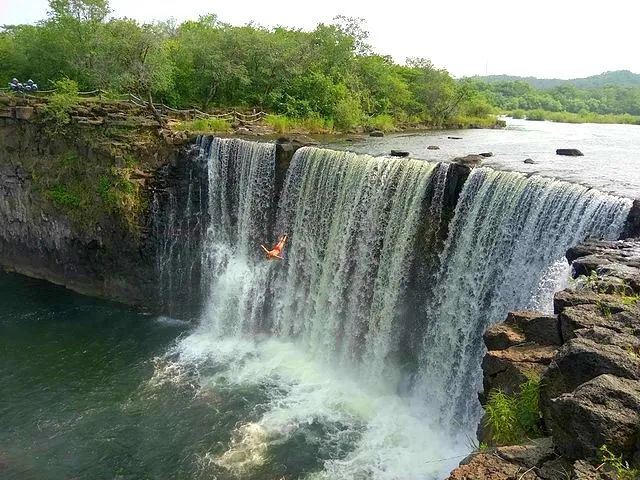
(353, 221)
(372, 325)
(508, 233)
(241, 190)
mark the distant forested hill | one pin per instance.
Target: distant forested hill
(619, 78)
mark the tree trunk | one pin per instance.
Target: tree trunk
(155, 112)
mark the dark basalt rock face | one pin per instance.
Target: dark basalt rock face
(601, 411)
(588, 355)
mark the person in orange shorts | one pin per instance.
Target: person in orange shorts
(276, 252)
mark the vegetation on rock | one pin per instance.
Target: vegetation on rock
(514, 418)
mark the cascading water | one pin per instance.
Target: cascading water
(323, 334)
(509, 233)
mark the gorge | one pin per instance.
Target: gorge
(362, 351)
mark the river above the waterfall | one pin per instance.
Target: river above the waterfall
(611, 160)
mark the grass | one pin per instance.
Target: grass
(204, 125)
(282, 124)
(621, 467)
(489, 121)
(386, 123)
(582, 117)
(514, 418)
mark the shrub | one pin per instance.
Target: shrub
(622, 468)
(63, 198)
(347, 113)
(205, 125)
(512, 418)
(517, 114)
(385, 123)
(57, 110)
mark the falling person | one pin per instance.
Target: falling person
(276, 252)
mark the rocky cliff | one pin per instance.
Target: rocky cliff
(75, 201)
(587, 356)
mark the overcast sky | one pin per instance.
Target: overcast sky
(543, 38)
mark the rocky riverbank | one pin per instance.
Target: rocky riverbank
(587, 356)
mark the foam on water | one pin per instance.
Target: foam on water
(378, 434)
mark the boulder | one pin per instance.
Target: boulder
(399, 153)
(590, 315)
(582, 359)
(24, 113)
(536, 327)
(529, 161)
(569, 152)
(469, 160)
(433, 147)
(508, 369)
(501, 337)
(602, 411)
(376, 133)
(487, 466)
(486, 154)
(514, 462)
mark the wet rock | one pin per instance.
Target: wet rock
(569, 152)
(529, 161)
(486, 154)
(602, 411)
(454, 138)
(433, 147)
(399, 153)
(632, 225)
(376, 133)
(469, 160)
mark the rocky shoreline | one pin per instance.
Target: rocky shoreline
(587, 356)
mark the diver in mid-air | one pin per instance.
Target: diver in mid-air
(276, 252)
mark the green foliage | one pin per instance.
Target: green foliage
(61, 103)
(63, 198)
(324, 78)
(618, 464)
(313, 124)
(386, 123)
(513, 418)
(205, 125)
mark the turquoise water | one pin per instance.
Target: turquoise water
(79, 398)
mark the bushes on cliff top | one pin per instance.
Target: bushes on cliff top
(514, 418)
(57, 110)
